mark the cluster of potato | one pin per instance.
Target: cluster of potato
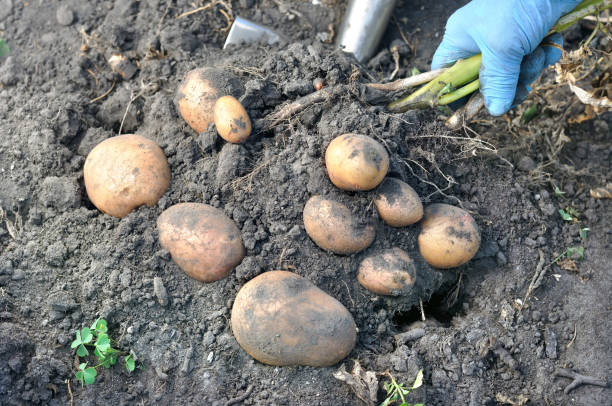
(449, 235)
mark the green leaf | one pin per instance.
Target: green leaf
(385, 402)
(82, 366)
(576, 252)
(583, 233)
(101, 326)
(558, 192)
(565, 215)
(89, 375)
(130, 365)
(530, 113)
(82, 351)
(418, 382)
(79, 377)
(86, 335)
(78, 340)
(414, 71)
(103, 343)
(4, 49)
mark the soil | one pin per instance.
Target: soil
(63, 263)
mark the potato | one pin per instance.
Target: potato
(391, 272)
(196, 97)
(232, 121)
(356, 162)
(449, 236)
(332, 226)
(203, 241)
(125, 172)
(280, 318)
(398, 204)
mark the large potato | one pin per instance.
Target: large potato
(356, 162)
(196, 97)
(391, 272)
(280, 318)
(398, 204)
(203, 241)
(231, 119)
(124, 172)
(332, 226)
(449, 236)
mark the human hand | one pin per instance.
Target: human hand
(509, 35)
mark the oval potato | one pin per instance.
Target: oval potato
(124, 172)
(203, 241)
(280, 318)
(196, 98)
(391, 272)
(449, 236)
(231, 119)
(356, 162)
(398, 204)
(332, 226)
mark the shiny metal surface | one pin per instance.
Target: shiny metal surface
(363, 26)
(245, 31)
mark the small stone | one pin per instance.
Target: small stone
(122, 66)
(550, 340)
(160, 291)
(64, 15)
(526, 164)
(18, 275)
(501, 259)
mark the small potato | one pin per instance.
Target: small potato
(391, 272)
(124, 172)
(449, 236)
(232, 121)
(398, 204)
(196, 97)
(203, 241)
(280, 318)
(332, 226)
(356, 162)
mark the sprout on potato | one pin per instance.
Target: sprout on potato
(125, 172)
(398, 204)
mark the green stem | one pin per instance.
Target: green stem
(459, 93)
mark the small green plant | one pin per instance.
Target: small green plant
(4, 49)
(96, 338)
(397, 392)
(558, 192)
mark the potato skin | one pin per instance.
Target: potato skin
(398, 204)
(332, 226)
(449, 236)
(280, 318)
(356, 162)
(124, 172)
(196, 98)
(391, 272)
(203, 241)
(231, 119)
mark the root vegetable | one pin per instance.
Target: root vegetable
(398, 204)
(231, 119)
(124, 172)
(196, 97)
(391, 272)
(356, 162)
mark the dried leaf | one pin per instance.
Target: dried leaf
(568, 264)
(604, 192)
(587, 98)
(520, 401)
(363, 383)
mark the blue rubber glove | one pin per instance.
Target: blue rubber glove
(509, 35)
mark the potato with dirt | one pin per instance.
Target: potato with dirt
(391, 272)
(356, 162)
(124, 172)
(281, 318)
(333, 227)
(398, 204)
(449, 236)
(231, 119)
(203, 241)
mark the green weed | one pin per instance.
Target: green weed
(397, 392)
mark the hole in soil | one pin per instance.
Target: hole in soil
(437, 309)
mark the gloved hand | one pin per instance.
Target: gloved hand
(509, 35)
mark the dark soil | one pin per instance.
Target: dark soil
(63, 263)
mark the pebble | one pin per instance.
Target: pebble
(550, 340)
(64, 15)
(18, 275)
(160, 291)
(526, 164)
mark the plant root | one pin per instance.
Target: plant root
(240, 398)
(578, 380)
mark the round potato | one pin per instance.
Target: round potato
(280, 318)
(449, 236)
(332, 226)
(203, 241)
(231, 119)
(196, 97)
(398, 204)
(124, 172)
(356, 162)
(391, 272)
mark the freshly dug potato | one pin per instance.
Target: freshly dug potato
(398, 204)
(332, 226)
(232, 121)
(203, 241)
(196, 97)
(280, 318)
(124, 172)
(356, 162)
(391, 272)
(449, 236)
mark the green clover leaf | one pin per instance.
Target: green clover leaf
(89, 375)
(130, 365)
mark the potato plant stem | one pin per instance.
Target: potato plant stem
(459, 93)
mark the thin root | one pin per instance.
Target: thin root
(240, 398)
(578, 380)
